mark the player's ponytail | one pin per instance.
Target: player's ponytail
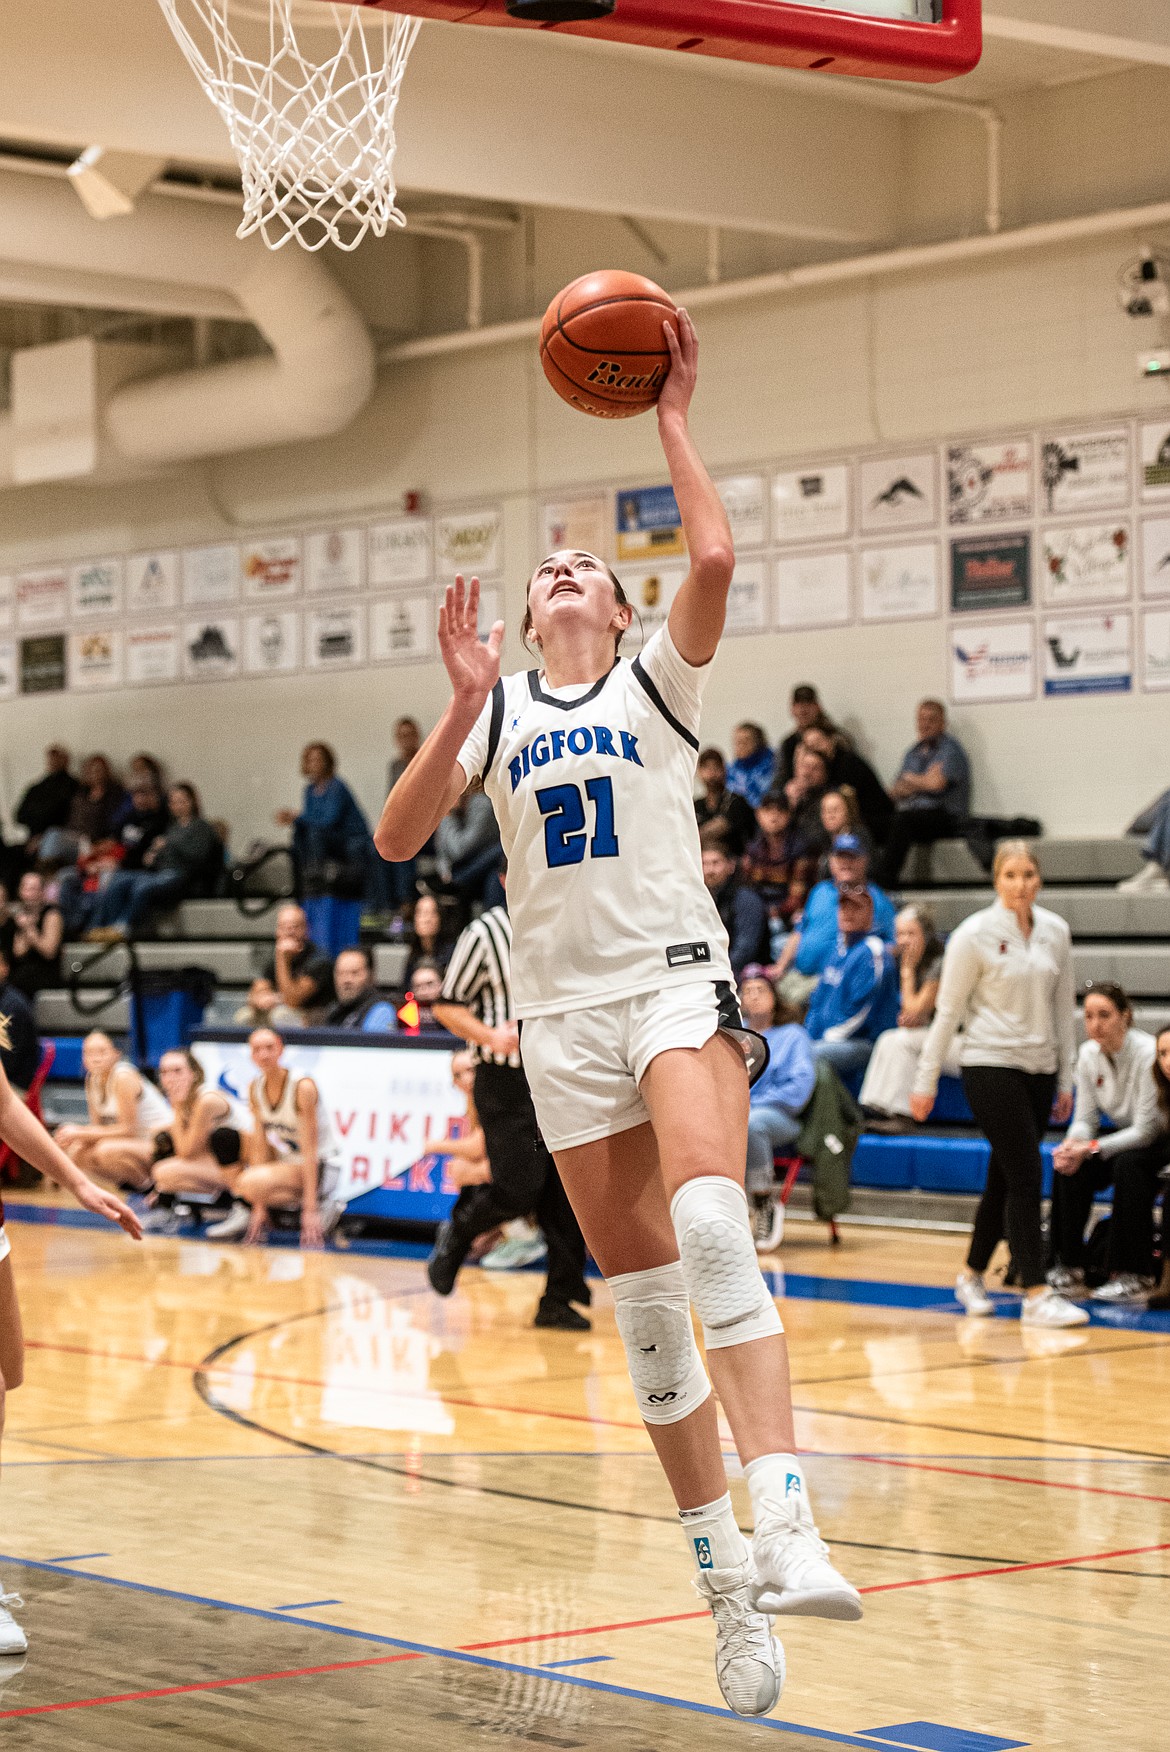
(5, 1036)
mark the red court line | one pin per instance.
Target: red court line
(1012, 1569)
(1136, 1496)
(505, 1642)
(208, 1685)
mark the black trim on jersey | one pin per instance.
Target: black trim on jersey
(756, 1051)
(656, 699)
(495, 726)
(538, 692)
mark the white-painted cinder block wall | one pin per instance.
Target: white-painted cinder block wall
(1025, 341)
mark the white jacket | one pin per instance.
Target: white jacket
(1122, 1089)
(1013, 996)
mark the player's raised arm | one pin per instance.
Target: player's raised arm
(698, 611)
(434, 781)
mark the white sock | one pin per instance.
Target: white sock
(714, 1539)
(777, 1482)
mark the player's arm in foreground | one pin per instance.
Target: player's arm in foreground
(458, 1019)
(434, 781)
(700, 608)
(25, 1134)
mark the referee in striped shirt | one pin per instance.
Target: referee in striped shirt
(476, 1003)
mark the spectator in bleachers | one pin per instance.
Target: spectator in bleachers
(750, 772)
(1160, 1300)
(856, 997)
(805, 710)
(778, 1098)
(1154, 875)
(1115, 1081)
(804, 790)
(401, 880)
(126, 1113)
(847, 767)
(301, 973)
(721, 808)
(142, 819)
(429, 938)
(46, 803)
(32, 938)
(331, 836)
(92, 814)
(427, 991)
(20, 1053)
(744, 915)
(469, 853)
(932, 791)
(200, 1147)
(1007, 980)
(778, 867)
(184, 863)
(359, 1005)
(807, 951)
(890, 1074)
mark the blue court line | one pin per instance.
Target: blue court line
(467, 1657)
(304, 1605)
(937, 1737)
(580, 1661)
(78, 1557)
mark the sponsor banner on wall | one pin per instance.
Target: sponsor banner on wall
(272, 642)
(993, 661)
(95, 589)
(152, 654)
(745, 500)
(651, 590)
(7, 600)
(1085, 471)
(810, 504)
(95, 658)
(648, 524)
(470, 542)
(211, 574)
(899, 583)
(152, 582)
(335, 561)
(1155, 649)
(747, 600)
(1087, 653)
(991, 571)
(1154, 440)
(42, 664)
(1156, 557)
(42, 598)
(402, 629)
(1086, 564)
(581, 524)
(899, 492)
(989, 482)
(211, 648)
(8, 668)
(335, 637)
(812, 590)
(271, 569)
(400, 551)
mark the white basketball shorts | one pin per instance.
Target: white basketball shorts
(584, 1067)
(5, 1246)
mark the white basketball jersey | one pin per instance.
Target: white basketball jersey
(593, 790)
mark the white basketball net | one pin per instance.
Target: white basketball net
(311, 120)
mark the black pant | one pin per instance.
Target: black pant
(1134, 1174)
(1011, 1109)
(524, 1180)
(913, 827)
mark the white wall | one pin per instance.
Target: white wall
(1019, 342)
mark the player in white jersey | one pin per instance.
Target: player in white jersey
(622, 983)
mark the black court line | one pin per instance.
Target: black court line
(906, 1423)
(1084, 1354)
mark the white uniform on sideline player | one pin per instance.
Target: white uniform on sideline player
(624, 988)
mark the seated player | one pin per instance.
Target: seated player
(200, 1149)
(466, 1154)
(126, 1114)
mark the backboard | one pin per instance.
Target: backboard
(925, 40)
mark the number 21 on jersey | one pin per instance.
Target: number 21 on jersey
(565, 829)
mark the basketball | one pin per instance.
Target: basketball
(602, 345)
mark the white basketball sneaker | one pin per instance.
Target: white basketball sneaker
(793, 1571)
(749, 1662)
(971, 1295)
(1051, 1309)
(12, 1639)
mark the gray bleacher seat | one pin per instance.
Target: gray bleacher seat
(390, 965)
(1143, 969)
(56, 1013)
(231, 963)
(217, 919)
(1062, 860)
(1091, 912)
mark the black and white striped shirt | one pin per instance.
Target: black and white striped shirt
(479, 976)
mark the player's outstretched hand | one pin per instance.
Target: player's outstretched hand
(474, 667)
(104, 1204)
(684, 367)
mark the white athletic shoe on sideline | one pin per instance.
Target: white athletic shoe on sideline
(12, 1639)
(749, 1662)
(1150, 879)
(767, 1221)
(1051, 1309)
(516, 1252)
(1068, 1280)
(233, 1227)
(1125, 1287)
(793, 1572)
(971, 1295)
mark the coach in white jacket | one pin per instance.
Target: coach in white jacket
(1007, 980)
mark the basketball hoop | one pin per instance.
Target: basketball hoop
(312, 128)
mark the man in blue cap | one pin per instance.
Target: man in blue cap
(857, 996)
(806, 953)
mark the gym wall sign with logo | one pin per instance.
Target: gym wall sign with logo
(1088, 654)
(991, 571)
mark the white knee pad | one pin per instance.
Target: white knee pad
(653, 1314)
(719, 1263)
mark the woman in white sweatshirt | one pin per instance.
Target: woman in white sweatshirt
(1007, 981)
(1115, 1081)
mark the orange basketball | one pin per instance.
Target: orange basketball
(602, 345)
